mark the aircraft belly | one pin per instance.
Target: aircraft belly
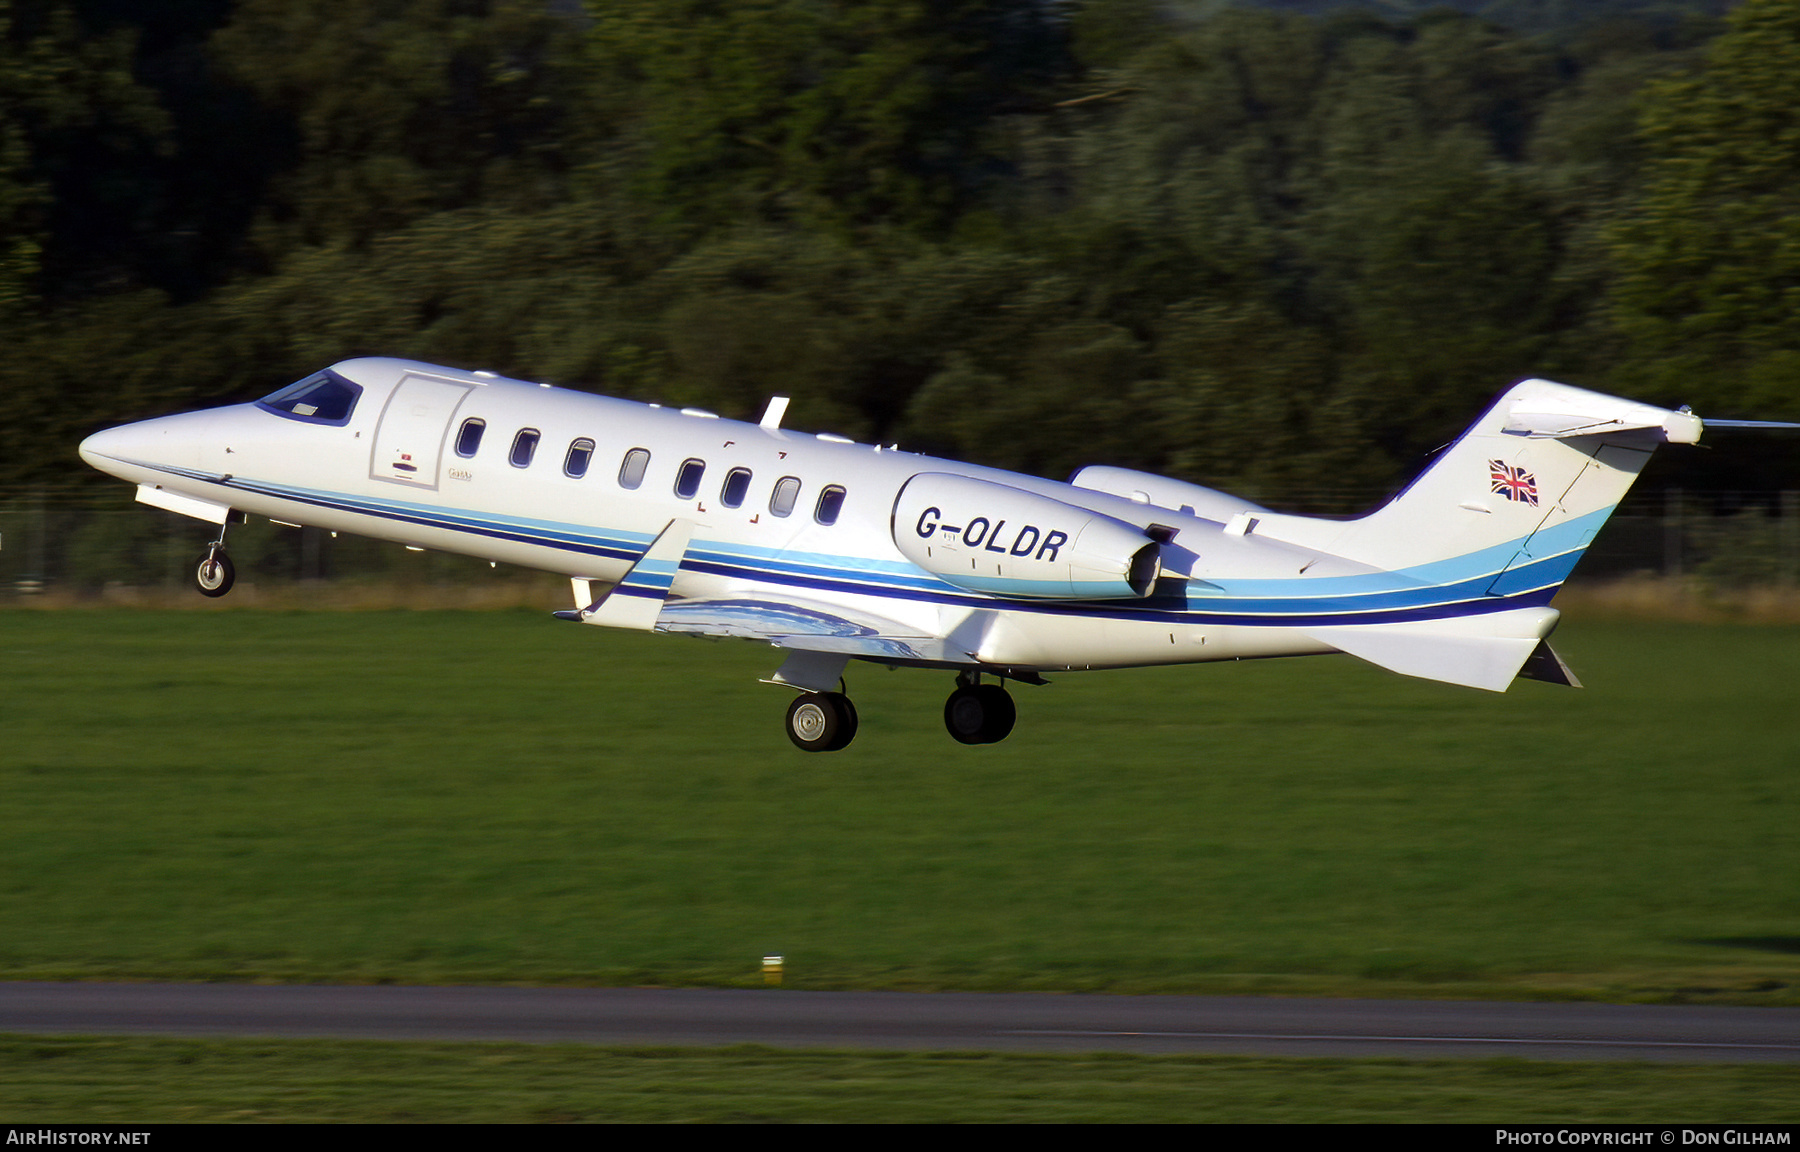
(1058, 640)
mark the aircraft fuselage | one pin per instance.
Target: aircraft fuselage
(833, 550)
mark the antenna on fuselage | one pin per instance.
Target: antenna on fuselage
(771, 417)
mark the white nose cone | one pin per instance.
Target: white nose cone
(168, 442)
(107, 450)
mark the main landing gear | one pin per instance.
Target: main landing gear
(215, 574)
(976, 713)
(821, 721)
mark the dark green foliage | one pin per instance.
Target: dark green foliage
(835, 116)
(1246, 244)
(402, 109)
(1709, 253)
(1526, 16)
(76, 134)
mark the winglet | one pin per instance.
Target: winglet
(637, 599)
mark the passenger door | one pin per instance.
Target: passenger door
(409, 442)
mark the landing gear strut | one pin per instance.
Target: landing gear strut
(821, 721)
(978, 713)
(215, 574)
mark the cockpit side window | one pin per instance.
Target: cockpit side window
(323, 398)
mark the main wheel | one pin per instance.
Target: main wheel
(982, 714)
(214, 575)
(1001, 712)
(821, 721)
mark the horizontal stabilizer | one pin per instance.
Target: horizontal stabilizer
(1485, 651)
(807, 627)
(1559, 412)
(1751, 424)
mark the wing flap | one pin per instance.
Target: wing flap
(805, 626)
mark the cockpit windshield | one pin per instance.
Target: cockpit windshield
(323, 398)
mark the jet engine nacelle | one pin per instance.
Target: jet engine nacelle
(993, 538)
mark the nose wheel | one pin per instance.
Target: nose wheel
(821, 721)
(215, 574)
(979, 713)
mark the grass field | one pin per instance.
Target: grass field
(141, 1081)
(496, 797)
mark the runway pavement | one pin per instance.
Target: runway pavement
(903, 1020)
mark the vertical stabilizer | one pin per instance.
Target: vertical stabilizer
(1518, 496)
(1490, 531)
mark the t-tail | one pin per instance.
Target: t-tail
(1494, 525)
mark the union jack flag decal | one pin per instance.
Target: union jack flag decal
(1513, 483)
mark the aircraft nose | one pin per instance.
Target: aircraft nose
(174, 441)
(102, 450)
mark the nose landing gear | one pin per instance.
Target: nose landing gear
(215, 574)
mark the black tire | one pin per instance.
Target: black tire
(821, 721)
(215, 574)
(1001, 713)
(846, 730)
(982, 714)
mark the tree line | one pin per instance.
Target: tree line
(1282, 248)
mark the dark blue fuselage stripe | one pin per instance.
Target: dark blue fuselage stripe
(1460, 599)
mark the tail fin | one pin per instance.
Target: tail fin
(1538, 473)
(1500, 517)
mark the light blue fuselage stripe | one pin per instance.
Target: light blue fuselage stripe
(1454, 586)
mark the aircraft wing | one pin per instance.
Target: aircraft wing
(806, 626)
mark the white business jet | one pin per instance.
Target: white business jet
(675, 520)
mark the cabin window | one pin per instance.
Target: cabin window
(575, 464)
(687, 481)
(785, 496)
(831, 502)
(737, 485)
(468, 437)
(524, 447)
(631, 470)
(323, 398)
